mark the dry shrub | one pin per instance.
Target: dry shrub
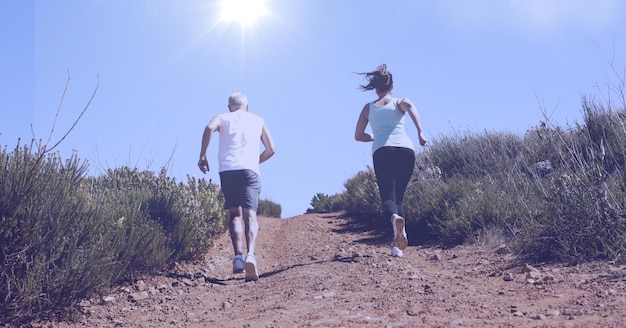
(65, 236)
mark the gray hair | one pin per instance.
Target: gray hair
(237, 100)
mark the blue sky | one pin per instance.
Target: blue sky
(166, 67)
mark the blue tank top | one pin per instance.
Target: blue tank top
(387, 124)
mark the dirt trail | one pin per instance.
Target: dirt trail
(327, 270)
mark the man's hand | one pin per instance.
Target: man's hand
(203, 164)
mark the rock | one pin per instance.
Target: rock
(619, 301)
(135, 297)
(140, 285)
(415, 310)
(534, 275)
(435, 257)
(503, 250)
(538, 316)
(328, 294)
(188, 282)
(528, 268)
(108, 299)
(553, 313)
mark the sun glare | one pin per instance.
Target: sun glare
(244, 12)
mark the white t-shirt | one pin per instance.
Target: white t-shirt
(240, 141)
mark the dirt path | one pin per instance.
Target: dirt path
(325, 270)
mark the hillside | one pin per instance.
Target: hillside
(327, 270)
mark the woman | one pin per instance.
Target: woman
(392, 149)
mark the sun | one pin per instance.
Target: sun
(245, 12)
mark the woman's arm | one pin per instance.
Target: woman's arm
(361, 124)
(407, 106)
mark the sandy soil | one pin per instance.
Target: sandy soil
(328, 270)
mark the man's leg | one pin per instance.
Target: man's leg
(236, 229)
(252, 228)
(252, 231)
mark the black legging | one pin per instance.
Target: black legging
(393, 167)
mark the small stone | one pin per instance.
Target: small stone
(415, 310)
(503, 250)
(188, 282)
(553, 313)
(108, 299)
(135, 297)
(535, 275)
(528, 268)
(140, 285)
(538, 317)
(435, 257)
(619, 301)
(328, 294)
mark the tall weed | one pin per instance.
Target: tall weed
(552, 194)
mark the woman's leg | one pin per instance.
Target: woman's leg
(384, 170)
(405, 164)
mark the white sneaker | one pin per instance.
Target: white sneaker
(238, 264)
(251, 271)
(396, 252)
(399, 232)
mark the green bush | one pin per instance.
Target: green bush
(46, 236)
(474, 155)
(269, 209)
(323, 203)
(189, 216)
(65, 236)
(553, 194)
(361, 194)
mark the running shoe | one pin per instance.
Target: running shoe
(399, 232)
(396, 252)
(251, 271)
(238, 264)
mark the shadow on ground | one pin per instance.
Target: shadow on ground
(378, 229)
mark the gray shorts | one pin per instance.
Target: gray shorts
(240, 188)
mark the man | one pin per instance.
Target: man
(239, 156)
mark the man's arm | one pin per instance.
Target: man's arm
(214, 125)
(268, 143)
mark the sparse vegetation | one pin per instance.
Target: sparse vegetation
(65, 236)
(553, 194)
(323, 203)
(269, 208)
